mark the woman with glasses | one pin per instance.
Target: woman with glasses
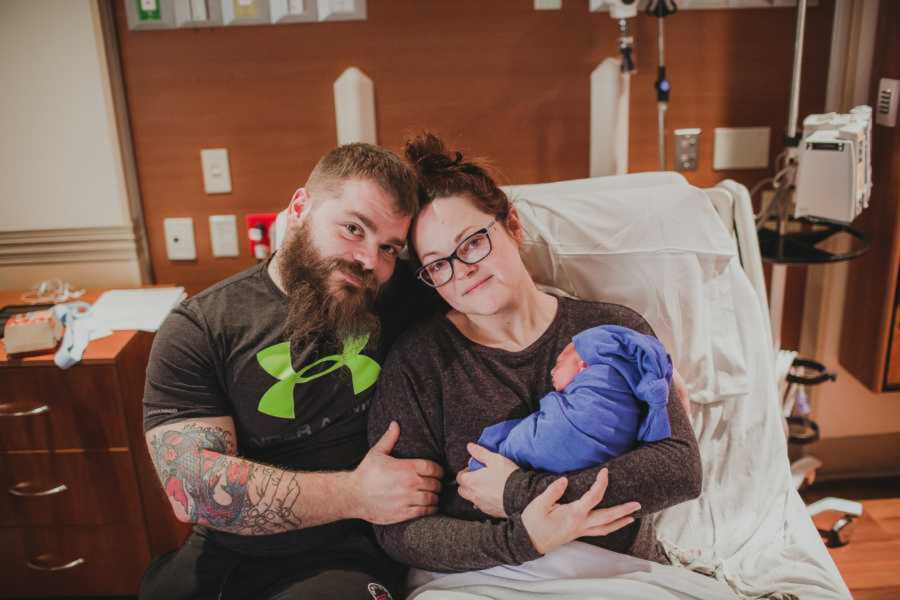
(487, 359)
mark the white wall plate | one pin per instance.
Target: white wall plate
(293, 11)
(342, 10)
(180, 244)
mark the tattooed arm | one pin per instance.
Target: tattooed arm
(207, 483)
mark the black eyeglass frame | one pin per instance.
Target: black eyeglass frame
(485, 231)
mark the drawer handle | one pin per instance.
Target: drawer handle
(38, 410)
(37, 566)
(21, 490)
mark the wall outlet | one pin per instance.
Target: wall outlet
(180, 244)
(223, 235)
(216, 171)
(687, 149)
(741, 148)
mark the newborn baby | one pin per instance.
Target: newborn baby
(612, 387)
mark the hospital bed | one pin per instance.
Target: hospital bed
(688, 260)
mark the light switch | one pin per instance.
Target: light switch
(216, 172)
(223, 235)
(888, 97)
(180, 243)
(741, 148)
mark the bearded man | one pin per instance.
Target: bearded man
(256, 398)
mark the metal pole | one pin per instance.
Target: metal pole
(783, 196)
(661, 106)
(798, 59)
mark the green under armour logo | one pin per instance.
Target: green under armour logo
(278, 401)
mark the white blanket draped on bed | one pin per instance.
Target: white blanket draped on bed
(576, 571)
(655, 243)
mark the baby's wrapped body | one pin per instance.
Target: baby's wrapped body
(617, 398)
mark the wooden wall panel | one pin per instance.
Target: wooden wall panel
(498, 78)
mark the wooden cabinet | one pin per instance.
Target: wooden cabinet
(892, 370)
(81, 510)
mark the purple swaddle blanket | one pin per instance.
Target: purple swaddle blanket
(618, 400)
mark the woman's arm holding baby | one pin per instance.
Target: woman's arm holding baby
(443, 543)
(658, 474)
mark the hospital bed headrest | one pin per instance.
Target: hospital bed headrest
(651, 242)
(645, 212)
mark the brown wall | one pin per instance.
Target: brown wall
(497, 78)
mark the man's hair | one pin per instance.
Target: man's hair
(368, 162)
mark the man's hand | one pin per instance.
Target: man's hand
(484, 487)
(681, 391)
(388, 490)
(550, 524)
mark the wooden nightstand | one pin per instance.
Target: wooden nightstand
(81, 509)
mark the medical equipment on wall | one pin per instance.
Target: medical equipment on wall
(661, 9)
(610, 94)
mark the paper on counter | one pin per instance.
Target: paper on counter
(141, 309)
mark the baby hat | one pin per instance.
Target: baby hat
(643, 363)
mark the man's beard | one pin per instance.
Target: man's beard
(316, 312)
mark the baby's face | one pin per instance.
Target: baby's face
(568, 365)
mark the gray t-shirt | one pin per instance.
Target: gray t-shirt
(224, 352)
(443, 389)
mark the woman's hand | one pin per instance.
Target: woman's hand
(550, 524)
(484, 487)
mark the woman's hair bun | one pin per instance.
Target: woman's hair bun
(429, 156)
(443, 173)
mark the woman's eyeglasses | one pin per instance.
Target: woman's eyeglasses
(474, 249)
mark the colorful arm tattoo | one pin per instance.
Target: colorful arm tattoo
(208, 485)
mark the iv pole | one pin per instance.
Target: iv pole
(780, 246)
(661, 9)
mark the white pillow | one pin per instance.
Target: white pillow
(653, 243)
